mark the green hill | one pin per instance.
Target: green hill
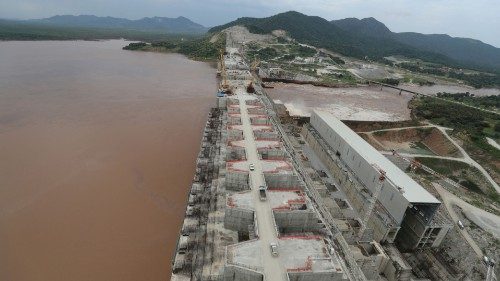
(368, 38)
(465, 51)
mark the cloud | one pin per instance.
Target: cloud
(464, 18)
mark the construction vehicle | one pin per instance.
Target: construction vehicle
(250, 88)
(486, 260)
(262, 193)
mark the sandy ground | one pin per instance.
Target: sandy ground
(241, 34)
(360, 103)
(98, 150)
(372, 71)
(487, 221)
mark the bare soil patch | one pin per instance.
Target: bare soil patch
(417, 140)
(366, 126)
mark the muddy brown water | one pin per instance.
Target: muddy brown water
(97, 152)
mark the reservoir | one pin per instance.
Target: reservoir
(98, 148)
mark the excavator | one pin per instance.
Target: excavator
(253, 67)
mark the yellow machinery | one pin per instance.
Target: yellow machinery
(254, 65)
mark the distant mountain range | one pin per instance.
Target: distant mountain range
(351, 36)
(463, 50)
(370, 38)
(154, 24)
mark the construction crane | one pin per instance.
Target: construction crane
(373, 201)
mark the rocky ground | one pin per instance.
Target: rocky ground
(359, 103)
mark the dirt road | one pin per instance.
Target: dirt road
(468, 159)
(465, 157)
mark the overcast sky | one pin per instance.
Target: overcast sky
(478, 19)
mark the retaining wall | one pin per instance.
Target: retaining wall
(315, 276)
(236, 273)
(297, 221)
(282, 181)
(236, 181)
(238, 219)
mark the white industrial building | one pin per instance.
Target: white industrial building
(404, 210)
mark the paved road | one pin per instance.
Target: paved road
(273, 269)
(486, 220)
(449, 199)
(468, 159)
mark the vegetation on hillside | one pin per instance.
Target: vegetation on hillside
(319, 32)
(135, 46)
(203, 49)
(474, 79)
(285, 52)
(466, 52)
(462, 173)
(336, 59)
(471, 126)
(477, 80)
(476, 123)
(389, 81)
(486, 102)
(195, 48)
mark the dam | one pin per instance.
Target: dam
(255, 212)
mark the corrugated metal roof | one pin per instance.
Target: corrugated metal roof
(413, 191)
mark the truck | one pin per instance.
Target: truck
(262, 193)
